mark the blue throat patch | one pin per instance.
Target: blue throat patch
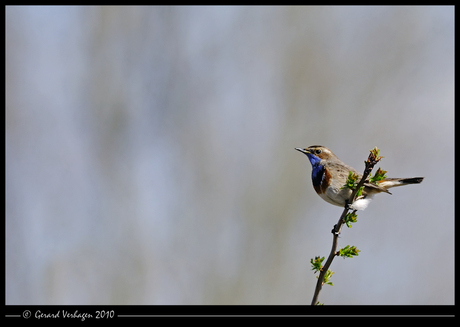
(317, 171)
(313, 159)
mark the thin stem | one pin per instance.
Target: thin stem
(335, 236)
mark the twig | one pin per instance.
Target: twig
(370, 163)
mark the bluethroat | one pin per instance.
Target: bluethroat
(329, 175)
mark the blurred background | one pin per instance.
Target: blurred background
(150, 153)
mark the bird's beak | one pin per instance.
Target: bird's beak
(303, 150)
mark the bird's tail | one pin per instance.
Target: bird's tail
(393, 182)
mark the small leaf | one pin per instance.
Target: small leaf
(350, 218)
(375, 155)
(327, 276)
(379, 175)
(348, 251)
(316, 264)
(360, 192)
(351, 182)
(375, 151)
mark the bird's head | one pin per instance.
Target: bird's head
(317, 153)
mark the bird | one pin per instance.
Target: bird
(329, 175)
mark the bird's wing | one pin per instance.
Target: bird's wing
(376, 188)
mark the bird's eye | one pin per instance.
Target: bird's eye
(317, 151)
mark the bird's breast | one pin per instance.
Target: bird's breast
(321, 179)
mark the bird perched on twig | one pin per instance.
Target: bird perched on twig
(330, 174)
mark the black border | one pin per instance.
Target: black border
(125, 312)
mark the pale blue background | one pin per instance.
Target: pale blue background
(150, 153)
